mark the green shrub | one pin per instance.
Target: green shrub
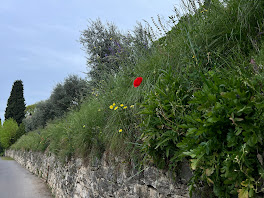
(8, 132)
(224, 137)
(165, 108)
(30, 141)
(20, 131)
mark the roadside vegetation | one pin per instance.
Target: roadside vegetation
(7, 158)
(201, 98)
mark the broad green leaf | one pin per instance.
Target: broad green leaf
(238, 131)
(252, 140)
(244, 183)
(194, 163)
(208, 171)
(167, 152)
(191, 131)
(243, 193)
(246, 109)
(228, 95)
(162, 142)
(239, 119)
(251, 192)
(183, 126)
(212, 120)
(188, 153)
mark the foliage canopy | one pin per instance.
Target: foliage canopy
(16, 103)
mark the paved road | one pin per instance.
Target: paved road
(17, 182)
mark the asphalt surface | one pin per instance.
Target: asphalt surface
(17, 182)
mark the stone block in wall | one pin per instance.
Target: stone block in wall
(185, 172)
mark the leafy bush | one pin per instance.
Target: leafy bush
(30, 141)
(202, 42)
(20, 131)
(8, 132)
(224, 137)
(165, 108)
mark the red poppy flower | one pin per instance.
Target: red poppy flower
(137, 81)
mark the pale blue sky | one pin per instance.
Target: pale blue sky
(39, 39)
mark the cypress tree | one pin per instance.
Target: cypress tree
(16, 103)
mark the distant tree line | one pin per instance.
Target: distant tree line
(65, 96)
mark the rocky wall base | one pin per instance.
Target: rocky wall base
(102, 178)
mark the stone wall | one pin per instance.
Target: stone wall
(103, 178)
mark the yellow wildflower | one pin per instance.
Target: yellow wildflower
(111, 106)
(115, 108)
(125, 107)
(121, 105)
(132, 106)
(120, 130)
(193, 56)
(111, 38)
